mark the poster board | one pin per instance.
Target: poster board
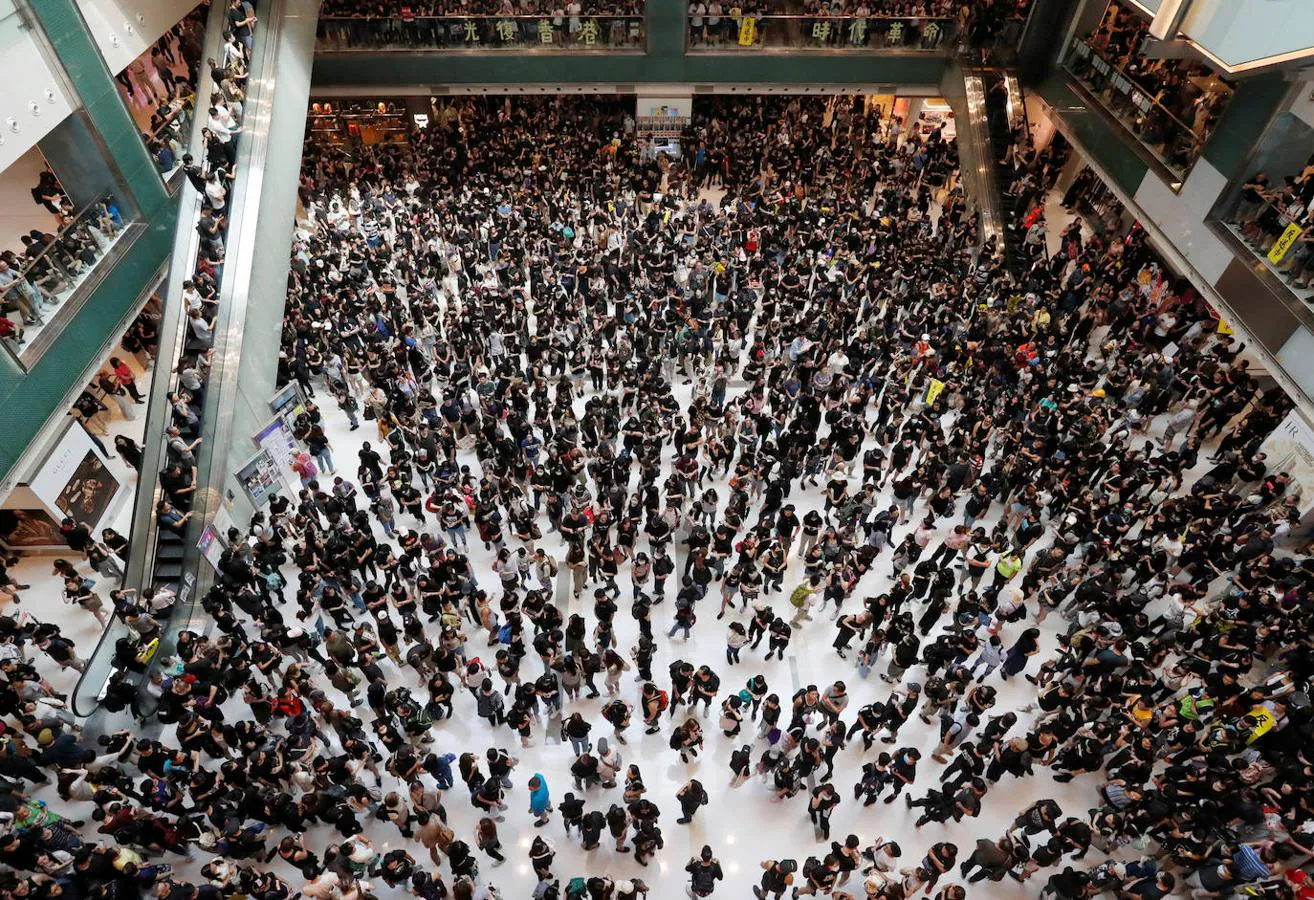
(75, 480)
(276, 437)
(288, 403)
(680, 108)
(261, 477)
(211, 546)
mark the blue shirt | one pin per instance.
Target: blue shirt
(539, 799)
(1249, 867)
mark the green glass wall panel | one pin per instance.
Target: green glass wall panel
(28, 400)
(1104, 141)
(65, 29)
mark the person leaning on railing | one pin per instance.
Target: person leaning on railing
(17, 294)
(1298, 266)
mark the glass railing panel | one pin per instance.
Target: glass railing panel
(168, 142)
(853, 33)
(564, 33)
(1132, 99)
(1279, 233)
(37, 290)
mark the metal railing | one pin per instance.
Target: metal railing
(870, 33)
(1173, 142)
(61, 265)
(1277, 234)
(536, 33)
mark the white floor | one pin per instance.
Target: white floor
(44, 600)
(745, 825)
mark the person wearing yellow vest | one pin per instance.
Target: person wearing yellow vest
(1009, 564)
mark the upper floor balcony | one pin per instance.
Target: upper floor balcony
(1170, 106)
(580, 33)
(869, 45)
(709, 33)
(667, 27)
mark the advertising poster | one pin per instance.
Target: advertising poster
(211, 546)
(261, 478)
(75, 480)
(1290, 449)
(22, 528)
(666, 108)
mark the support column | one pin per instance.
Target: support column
(666, 22)
(1050, 26)
(270, 260)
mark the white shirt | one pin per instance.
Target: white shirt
(216, 125)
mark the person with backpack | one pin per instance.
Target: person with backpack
(704, 872)
(489, 704)
(801, 599)
(617, 714)
(776, 879)
(655, 702)
(691, 795)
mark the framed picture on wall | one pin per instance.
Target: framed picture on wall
(75, 480)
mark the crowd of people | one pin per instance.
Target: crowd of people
(1265, 210)
(533, 23)
(169, 95)
(865, 23)
(578, 413)
(35, 280)
(877, 23)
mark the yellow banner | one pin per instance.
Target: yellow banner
(1223, 327)
(747, 31)
(933, 390)
(1284, 243)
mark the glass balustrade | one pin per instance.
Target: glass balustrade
(525, 33)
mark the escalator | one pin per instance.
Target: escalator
(1001, 134)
